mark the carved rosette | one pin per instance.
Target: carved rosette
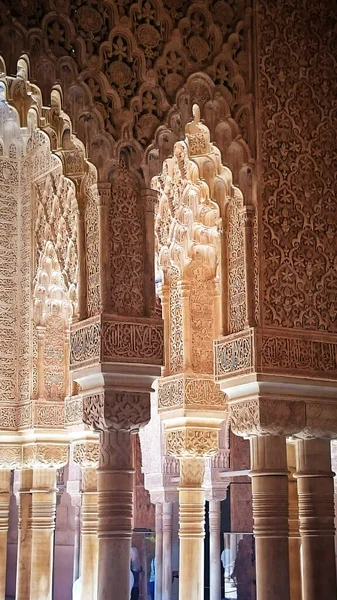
(116, 410)
(44, 456)
(86, 454)
(192, 442)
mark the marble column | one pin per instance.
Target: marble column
(167, 551)
(115, 514)
(89, 540)
(270, 513)
(191, 528)
(294, 533)
(5, 477)
(316, 514)
(24, 555)
(43, 528)
(214, 550)
(77, 537)
(159, 551)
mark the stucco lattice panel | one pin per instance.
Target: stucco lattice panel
(298, 87)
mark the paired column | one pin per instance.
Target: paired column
(294, 533)
(167, 551)
(214, 550)
(316, 514)
(270, 512)
(115, 514)
(89, 540)
(159, 551)
(191, 528)
(5, 476)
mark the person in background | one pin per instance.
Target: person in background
(152, 577)
(136, 569)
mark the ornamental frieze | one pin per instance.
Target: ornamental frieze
(276, 352)
(111, 339)
(189, 392)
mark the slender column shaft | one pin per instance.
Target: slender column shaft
(167, 551)
(294, 533)
(191, 529)
(89, 539)
(24, 556)
(115, 514)
(270, 513)
(214, 550)
(5, 476)
(43, 527)
(159, 551)
(316, 512)
(77, 535)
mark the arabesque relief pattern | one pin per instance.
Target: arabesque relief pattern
(298, 83)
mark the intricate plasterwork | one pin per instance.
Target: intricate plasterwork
(131, 61)
(234, 355)
(261, 416)
(132, 341)
(275, 351)
(10, 456)
(86, 454)
(85, 342)
(192, 442)
(189, 392)
(73, 411)
(47, 455)
(297, 83)
(321, 420)
(116, 410)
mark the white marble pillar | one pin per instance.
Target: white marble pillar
(214, 550)
(5, 477)
(191, 529)
(316, 514)
(159, 551)
(167, 551)
(115, 514)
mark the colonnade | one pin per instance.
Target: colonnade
(293, 510)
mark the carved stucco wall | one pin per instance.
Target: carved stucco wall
(121, 65)
(297, 54)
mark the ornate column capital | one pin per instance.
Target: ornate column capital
(320, 420)
(86, 454)
(118, 410)
(192, 442)
(44, 455)
(10, 456)
(259, 416)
